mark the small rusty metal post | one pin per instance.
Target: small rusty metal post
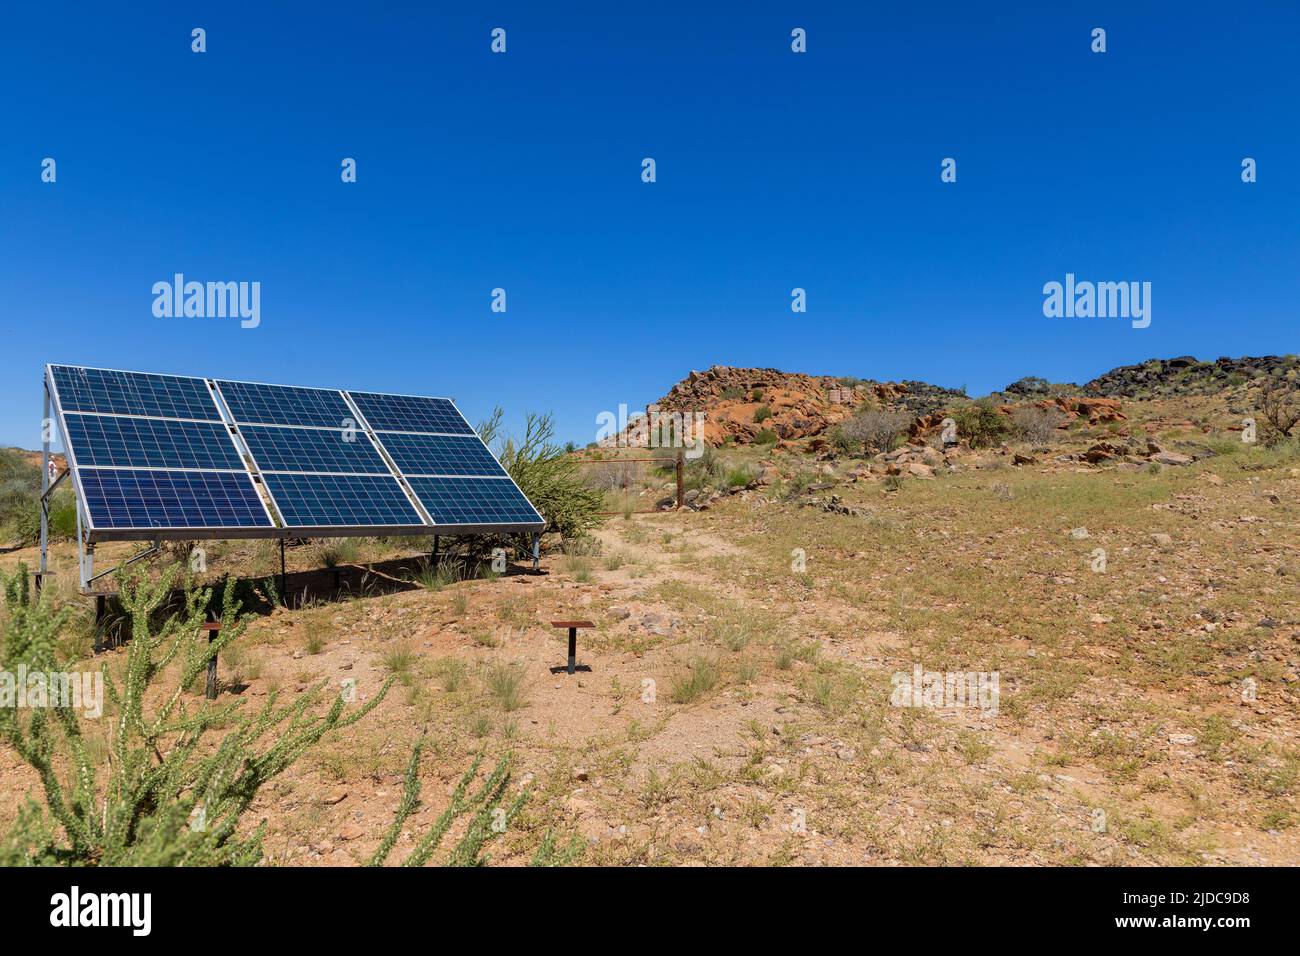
(573, 642)
(210, 691)
(681, 477)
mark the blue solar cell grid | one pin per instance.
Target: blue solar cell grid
(440, 455)
(171, 499)
(474, 501)
(339, 500)
(286, 405)
(149, 443)
(133, 393)
(312, 449)
(406, 413)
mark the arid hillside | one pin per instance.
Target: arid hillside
(1122, 569)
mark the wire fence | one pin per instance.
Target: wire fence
(630, 475)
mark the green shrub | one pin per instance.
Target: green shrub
(980, 424)
(762, 414)
(739, 476)
(332, 552)
(766, 437)
(169, 798)
(550, 478)
(875, 430)
(20, 495)
(700, 677)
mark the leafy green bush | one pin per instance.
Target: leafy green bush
(169, 799)
(980, 424)
(766, 437)
(739, 476)
(762, 414)
(550, 478)
(20, 495)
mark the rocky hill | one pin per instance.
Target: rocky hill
(1186, 375)
(749, 405)
(743, 403)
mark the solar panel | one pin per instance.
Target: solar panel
(150, 442)
(133, 499)
(133, 393)
(180, 456)
(340, 500)
(276, 448)
(409, 413)
(440, 455)
(474, 501)
(250, 402)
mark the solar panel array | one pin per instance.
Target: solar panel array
(445, 463)
(152, 452)
(177, 453)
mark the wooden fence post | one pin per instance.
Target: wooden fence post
(681, 477)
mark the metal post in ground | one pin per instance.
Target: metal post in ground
(537, 551)
(45, 490)
(210, 691)
(435, 553)
(681, 477)
(284, 589)
(100, 611)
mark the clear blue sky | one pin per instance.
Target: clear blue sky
(522, 171)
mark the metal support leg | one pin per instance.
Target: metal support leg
(537, 551)
(100, 611)
(210, 691)
(573, 649)
(46, 427)
(435, 552)
(284, 578)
